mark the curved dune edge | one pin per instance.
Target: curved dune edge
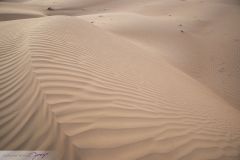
(17, 16)
(88, 94)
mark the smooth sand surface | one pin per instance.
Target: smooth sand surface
(120, 79)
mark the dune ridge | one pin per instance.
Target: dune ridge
(75, 89)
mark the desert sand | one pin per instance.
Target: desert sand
(121, 79)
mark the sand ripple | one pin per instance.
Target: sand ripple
(90, 95)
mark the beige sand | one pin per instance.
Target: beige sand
(120, 80)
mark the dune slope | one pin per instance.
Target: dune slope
(88, 94)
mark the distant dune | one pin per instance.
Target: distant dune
(138, 80)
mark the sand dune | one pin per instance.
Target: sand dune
(99, 91)
(204, 45)
(13, 11)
